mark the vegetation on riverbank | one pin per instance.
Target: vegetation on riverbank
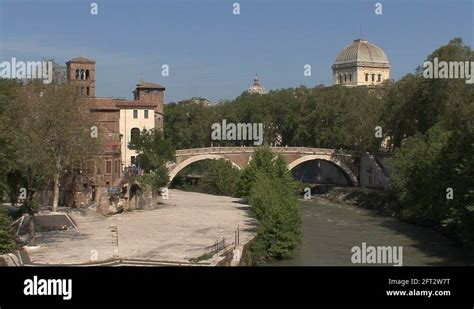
(271, 192)
(218, 177)
(7, 240)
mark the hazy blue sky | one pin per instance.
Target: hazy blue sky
(215, 54)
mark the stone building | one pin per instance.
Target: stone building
(197, 101)
(361, 63)
(120, 121)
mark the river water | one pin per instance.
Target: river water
(332, 229)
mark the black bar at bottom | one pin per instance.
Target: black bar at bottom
(221, 285)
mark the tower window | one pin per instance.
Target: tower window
(146, 113)
(366, 77)
(83, 74)
(380, 78)
(87, 74)
(77, 74)
(88, 91)
(135, 114)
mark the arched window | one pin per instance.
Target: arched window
(77, 74)
(134, 135)
(380, 78)
(83, 74)
(340, 79)
(345, 78)
(350, 77)
(366, 77)
(87, 74)
(373, 77)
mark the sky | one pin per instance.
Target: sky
(215, 54)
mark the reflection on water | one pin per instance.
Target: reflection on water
(332, 229)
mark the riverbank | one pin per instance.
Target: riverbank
(185, 223)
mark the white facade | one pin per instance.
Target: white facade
(129, 122)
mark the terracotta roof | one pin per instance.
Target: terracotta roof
(147, 85)
(81, 59)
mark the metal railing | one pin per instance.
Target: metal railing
(203, 252)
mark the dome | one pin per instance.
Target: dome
(361, 52)
(257, 87)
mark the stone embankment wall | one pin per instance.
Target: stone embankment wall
(9, 260)
(373, 172)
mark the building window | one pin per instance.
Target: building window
(108, 167)
(87, 74)
(345, 78)
(77, 74)
(373, 77)
(134, 135)
(116, 166)
(88, 91)
(135, 114)
(380, 78)
(350, 77)
(340, 79)
(366, 77)
(133, 160)
(146, 113)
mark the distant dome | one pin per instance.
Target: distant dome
(363, 53)
(256, 87)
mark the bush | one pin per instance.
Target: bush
(222, 178)
(7, 241)
(264, 161)
(271, 190)
(276, 208)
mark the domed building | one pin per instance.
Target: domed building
(361, 63)
(256, 87)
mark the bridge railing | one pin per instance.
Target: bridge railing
(304, 150)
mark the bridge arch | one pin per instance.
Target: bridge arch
(178, 167)
(327, 158)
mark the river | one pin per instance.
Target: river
(332, 229)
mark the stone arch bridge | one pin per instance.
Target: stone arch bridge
(240, 156)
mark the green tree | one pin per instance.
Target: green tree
(274, 205)
(154, 153)
(222, 178)
(264, 161)
(48, 130)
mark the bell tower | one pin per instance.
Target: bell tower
(81, 73)
(151, 93)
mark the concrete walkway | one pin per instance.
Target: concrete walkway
(187, 220)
